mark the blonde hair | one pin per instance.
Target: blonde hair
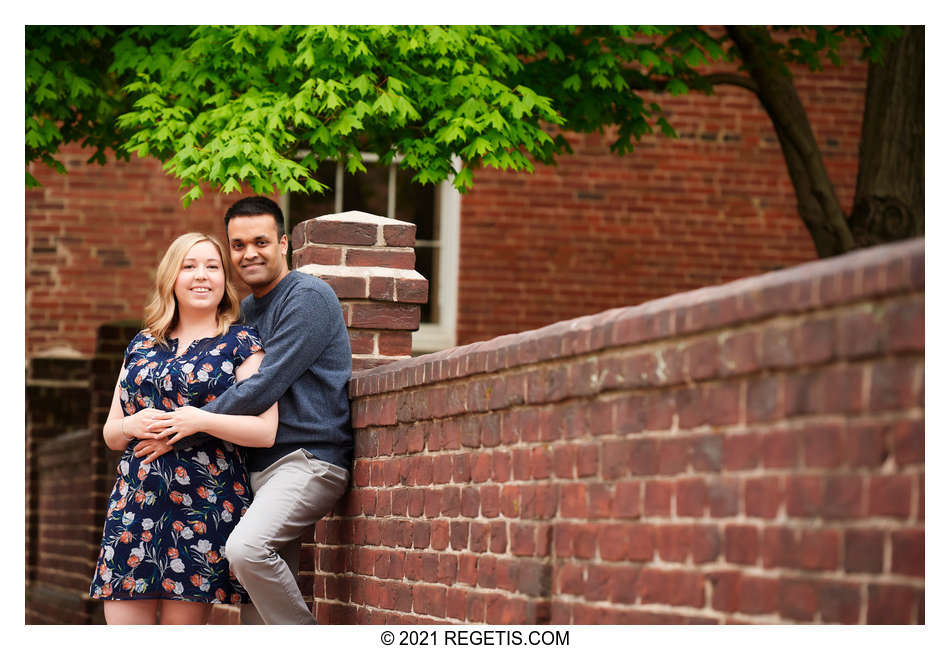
(161, 313)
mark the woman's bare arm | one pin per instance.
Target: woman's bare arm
(120, 429)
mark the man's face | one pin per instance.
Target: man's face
(258, 256)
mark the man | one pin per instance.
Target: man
(306, 368)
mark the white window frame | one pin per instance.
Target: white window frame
(430, 337)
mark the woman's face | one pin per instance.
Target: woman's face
(200, 282)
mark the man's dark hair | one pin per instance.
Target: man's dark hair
(255, 206)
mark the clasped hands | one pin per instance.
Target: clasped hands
(158, 430)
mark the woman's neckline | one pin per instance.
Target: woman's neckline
(194, 342)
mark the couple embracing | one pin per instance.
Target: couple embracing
(235, 432)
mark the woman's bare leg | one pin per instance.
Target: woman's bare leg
(180, 612)
(130, 612)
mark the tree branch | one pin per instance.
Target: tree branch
(729, 79)
(654, 84)
(780, 100)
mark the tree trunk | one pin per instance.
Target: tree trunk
(889, 197)
(817, 204)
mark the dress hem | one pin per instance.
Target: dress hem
(165, 597)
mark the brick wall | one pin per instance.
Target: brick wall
(597, 231)
(751, 452)
(69, 474)
(600, 231)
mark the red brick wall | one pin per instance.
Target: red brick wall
(599, 231)
(745, 453)
(69, 474)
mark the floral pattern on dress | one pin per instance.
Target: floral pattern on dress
(167, 522)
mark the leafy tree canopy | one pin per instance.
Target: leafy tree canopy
(264, 105)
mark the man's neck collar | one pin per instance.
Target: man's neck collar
(270, 287)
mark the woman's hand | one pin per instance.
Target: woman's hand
(152, 449)
(138, 424)
(178, 424)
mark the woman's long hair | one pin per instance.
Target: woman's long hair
(161, 313)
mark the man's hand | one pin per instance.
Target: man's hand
(151, 449)
(178, 424)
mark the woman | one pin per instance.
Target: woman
(168, 520)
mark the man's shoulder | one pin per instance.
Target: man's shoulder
(298, 293)
(305, 281)
(304, 285)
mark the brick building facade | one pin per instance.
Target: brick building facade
(594, 232)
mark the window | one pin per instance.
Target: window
(388, 191)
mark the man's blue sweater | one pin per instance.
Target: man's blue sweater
(306, 369)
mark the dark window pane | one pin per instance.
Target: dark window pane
(367, 192)
(417, 204)
(427, 260)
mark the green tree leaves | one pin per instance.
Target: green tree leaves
(69, 94)
(263, 106)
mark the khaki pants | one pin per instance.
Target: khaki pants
(264, 548)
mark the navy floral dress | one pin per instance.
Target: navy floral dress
(167, 521)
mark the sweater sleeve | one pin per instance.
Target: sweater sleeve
(298, 339)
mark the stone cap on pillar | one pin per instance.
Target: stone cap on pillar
(354, 228)
(369, 261)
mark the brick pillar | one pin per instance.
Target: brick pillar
(68, 400)
(369, 261)
(57, 400)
